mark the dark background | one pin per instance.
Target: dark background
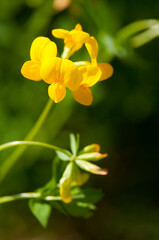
(123, 119)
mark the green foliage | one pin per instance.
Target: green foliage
(123, 117)
(74, 143)
(83, 202)
(62, 156)
(41, 210)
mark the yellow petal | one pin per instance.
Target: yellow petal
(51, 70)
(31, 70)
(37, 47)
(50, 50)
(79, 36)
(92, 48)
(79, 178)
(65, 191)
(83, 95)
(60, 33)
(106, 69)
(78, 27)
(91, 148)
(65, 184)
(91, 76)
(56, 92)
(71, 75)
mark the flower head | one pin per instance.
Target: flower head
(60, 73)
(92, 73)
(73, 39)
(41, 49)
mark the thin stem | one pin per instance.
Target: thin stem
(33, 143)
(11, 160)
(40, 121)
(65, 53)
(29, 195)
(145, 37)
(134, 28)
(35, 195)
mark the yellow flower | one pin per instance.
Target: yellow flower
(71, 176)
(60, 73)
(106, 68)
(73, 39)
(44, 64)
(92, 73)
(60, 5)
(41, 49)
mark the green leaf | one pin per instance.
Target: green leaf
(75, 210)
(41, 210)
(92, 195)
(86, 205)
(74, 143)
(83, 202)
(63, 156)
(89, 195)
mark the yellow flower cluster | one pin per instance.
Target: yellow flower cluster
(61, 73)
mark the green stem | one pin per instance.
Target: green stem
(33, 143)
(11, 160)
(29, 195)
(40, 121)
(134, 28)
(145, 37)
(35, 195)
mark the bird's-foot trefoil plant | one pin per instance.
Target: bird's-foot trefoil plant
(64, 191)
(71, 168)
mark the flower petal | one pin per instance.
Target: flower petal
(92, 48)
(49, 51)
(83, 95)
(37, 47)
(79, 178)
(79, 36)
(56, 92)
(87, 166)
(31, 70)
(72, 78)
(50, 70)
(91, 76)
(65, 191)
(60, 33)
(65, 184)
(91, 148)
(106, 69)
(78, 27)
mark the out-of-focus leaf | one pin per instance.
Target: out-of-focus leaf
(74, 143)
(41, 210)
(83, 202)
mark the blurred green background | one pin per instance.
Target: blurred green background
(123, 119)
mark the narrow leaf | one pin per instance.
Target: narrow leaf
(41, 210)
(73, 143)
